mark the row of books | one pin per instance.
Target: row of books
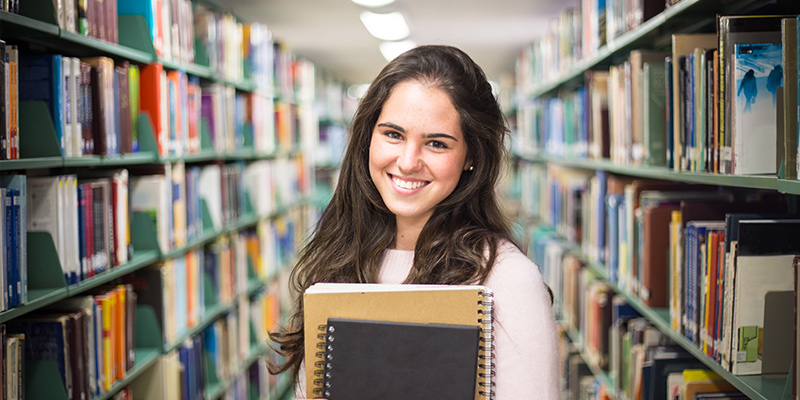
(184, 288)
(603, 333)
(93, 104)
(89, 216)
(171, 24)
(186, 202)
(690, 248)
(579, 33)
(93, 18)
(90, 340)
(228, 349)
(686, 109)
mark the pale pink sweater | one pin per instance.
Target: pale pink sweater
(526, 362)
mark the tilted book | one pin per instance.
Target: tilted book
(440, 304)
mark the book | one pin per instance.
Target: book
(757, 73)
(40, 80)
(736, 30)
(682, 46)
(654, 112)
(366, 358)
(790, 114)
(445, 304)
(764, 262)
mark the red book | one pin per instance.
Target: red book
(152, 90)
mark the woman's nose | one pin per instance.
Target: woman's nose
(409, 159)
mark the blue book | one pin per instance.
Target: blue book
(143, 8)
(40, 80)
(46, 340)
(8, 210)
(16, 250)
(19, 184)
(612, 216)
(599, 247)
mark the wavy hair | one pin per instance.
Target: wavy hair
(458, 244)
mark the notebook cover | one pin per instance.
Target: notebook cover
(462, 305)
(399, 360)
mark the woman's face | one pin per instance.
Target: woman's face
(417, 152)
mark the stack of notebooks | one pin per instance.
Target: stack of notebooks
(369, 341)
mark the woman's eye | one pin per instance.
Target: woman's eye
(437, 144)
(393, 135)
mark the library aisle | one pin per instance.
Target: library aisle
(163, 162)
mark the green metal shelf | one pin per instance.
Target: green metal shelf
(757, 387)
(145, 358)
(686, 15)
(31, 163)
(664, 173)
(139, 260)
(191, 69)
(81, 45)
(110, 161)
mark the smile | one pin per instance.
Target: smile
(408, 184)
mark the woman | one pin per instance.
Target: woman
(416, 203)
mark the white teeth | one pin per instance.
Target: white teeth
(407, 185)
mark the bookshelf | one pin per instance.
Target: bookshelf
(544, 177)
(36, 30)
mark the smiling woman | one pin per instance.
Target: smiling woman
(416, 203)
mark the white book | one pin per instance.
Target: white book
(149, 195)
(60, 16)
(755, 276)
(71, 217)
(44, 204)
(70, 17)
(121, 223)
(74, 85)
(209, 190)
(258, 187)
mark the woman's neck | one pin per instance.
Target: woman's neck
(407, 233)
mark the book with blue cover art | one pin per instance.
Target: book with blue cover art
(758, 73)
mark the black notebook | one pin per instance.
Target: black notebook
(383, 360)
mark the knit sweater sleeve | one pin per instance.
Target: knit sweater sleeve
(526, 346)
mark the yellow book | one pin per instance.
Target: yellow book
(676, 285)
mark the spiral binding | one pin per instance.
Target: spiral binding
(486, 354)
(319, 363)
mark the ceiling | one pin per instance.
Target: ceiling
(330, 33)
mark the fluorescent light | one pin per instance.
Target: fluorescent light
(373, 3)
(390, 50)
(389, 26)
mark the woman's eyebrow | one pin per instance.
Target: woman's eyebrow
(440, 136)
(392, 126)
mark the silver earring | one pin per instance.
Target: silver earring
(471, 167)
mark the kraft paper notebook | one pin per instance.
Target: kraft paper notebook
(366, 359)
(440, 304)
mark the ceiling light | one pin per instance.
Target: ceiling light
(389, 26)
(373, 3)
(390, 50)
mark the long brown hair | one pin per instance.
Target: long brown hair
(459, 242)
